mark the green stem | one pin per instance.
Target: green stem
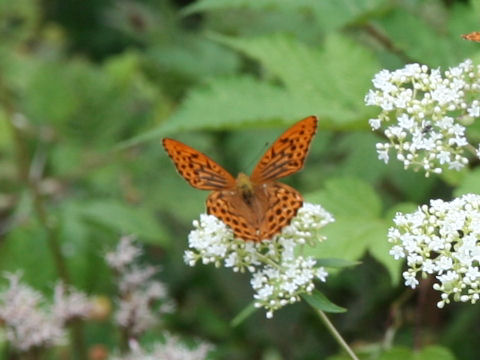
(124, 339)
(336, 334)
(23, 164)
(78, 340)
(268, 261)
(472, 149)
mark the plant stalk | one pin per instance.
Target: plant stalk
(331, 328)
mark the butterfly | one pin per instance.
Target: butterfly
(473, 36)
(255, 207)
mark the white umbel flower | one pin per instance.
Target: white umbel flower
(428, 111)
(442, 239)
(280, 274)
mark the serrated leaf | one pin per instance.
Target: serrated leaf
(330, 15)
(358, 225)
(348, 197)
(212, 5)
(195, 57)
(321, 83)
(320, 302)
(225, 104)
(350, 238)
(125, 219)
(324, 74)
(244, 314)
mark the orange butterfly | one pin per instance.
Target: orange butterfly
(473, 36)
(255, 207)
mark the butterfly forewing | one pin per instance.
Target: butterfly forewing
(197, 168)
(473, 36)
(287, 154)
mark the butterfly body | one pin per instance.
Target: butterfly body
(245, 187)
(255, 207)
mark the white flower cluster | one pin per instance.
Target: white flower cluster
(70, 304)
(442, 239)
(280, 274)
(31, 322)
(430, 111)
(171, 349)
(138, 291)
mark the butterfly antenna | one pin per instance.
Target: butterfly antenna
(259, 153)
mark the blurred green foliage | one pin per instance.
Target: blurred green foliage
(88, 88)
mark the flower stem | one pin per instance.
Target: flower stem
(336, 334)
(268, 261)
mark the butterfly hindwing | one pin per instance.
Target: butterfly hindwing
(232, 212)
(283, 204)
(272, 208)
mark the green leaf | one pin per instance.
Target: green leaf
(330, 15)
(336, 263)
(315, 82)
(225, 104)
(347, 238)
(434, 352)
(379, 248)
(348, 197)
(324, 76)
(358, 226)
(413, 185)
(397, 353)
(125, 219)
(320, 302)
(24, 249)
(400, 207)
(421, 42)
(195, 57)
(5, 133)
(470, 184)
(244, 314)
(404, 353)
(358, 152)
(212, 5)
